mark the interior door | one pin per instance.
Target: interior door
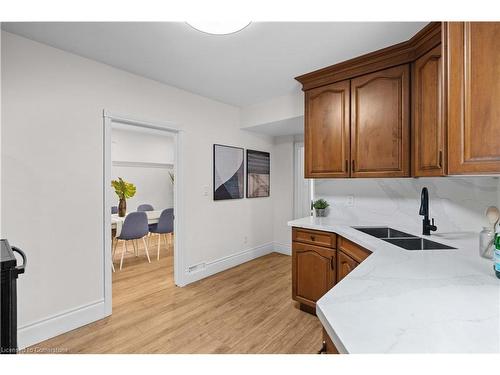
(327, 131)
(473, 50)
(380, 124)
(302, 190)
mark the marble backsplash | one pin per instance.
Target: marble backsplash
(456, 203)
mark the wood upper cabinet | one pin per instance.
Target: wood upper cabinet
(313, 272)
(326, 133)
(428, 135)
(380, 123)
(473, 55)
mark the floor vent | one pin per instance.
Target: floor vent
(196, 268)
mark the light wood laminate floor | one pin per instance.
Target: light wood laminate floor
(246, 309)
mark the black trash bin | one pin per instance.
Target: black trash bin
(9, 270)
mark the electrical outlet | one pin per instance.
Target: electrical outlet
(245, 239)
(350, 201)
(205, 190)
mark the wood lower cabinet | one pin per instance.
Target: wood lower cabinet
(314, 265)
(316, 269)
(349, 256)
(345, 264)
(313, 272)
(380, 123)
(428, 125)
(320, 260)
(328, 346)
(327, 131)
(473, 55)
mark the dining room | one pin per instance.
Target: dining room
(142, 211)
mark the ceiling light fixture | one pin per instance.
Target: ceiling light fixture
(219, 27)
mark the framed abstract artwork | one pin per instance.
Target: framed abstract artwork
(228, 172)
(258, 174)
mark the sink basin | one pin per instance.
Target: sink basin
(417, 243)
(404, 240)
(384, 232)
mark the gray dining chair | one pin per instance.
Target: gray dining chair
(145, 207)
(114, 210)
(135, 227)
(165, 225)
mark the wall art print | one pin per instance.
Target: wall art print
(228, 172)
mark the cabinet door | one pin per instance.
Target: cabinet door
(428, 121)
(345, 264)
(326, 133)
(328, 345)
(313, 272)
(380, 124)
(473, 53)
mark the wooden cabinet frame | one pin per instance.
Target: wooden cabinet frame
(395, 145)
(429, 112)
(307, 287)
(321, 128)
(473, 97)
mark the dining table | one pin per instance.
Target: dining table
(117, 221)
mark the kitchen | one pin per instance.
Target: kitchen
(421, 291)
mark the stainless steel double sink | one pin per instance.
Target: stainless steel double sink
(404, 240)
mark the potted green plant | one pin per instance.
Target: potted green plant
(124, 190)
(320, 207)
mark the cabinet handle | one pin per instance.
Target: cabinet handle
(352, 165)
(440, 158)
(323, 348)
(312, 238)
(346, 165)
(332, 263)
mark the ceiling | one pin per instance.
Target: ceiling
(245, 68)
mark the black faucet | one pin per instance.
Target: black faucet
(427, 227)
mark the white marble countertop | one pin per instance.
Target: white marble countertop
(400, 301)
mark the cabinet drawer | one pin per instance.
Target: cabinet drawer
(314, 237)
(355, 251)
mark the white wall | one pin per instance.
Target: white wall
(52, 177)
(149, 146)
(456, 203)
(273, 110)
(144, 158)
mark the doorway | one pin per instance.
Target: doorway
(303, 187)
(171, 170)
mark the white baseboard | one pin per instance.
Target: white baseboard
(282, 248)
(221, 264)
(58, 324)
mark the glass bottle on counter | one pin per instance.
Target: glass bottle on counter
(486, 243)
